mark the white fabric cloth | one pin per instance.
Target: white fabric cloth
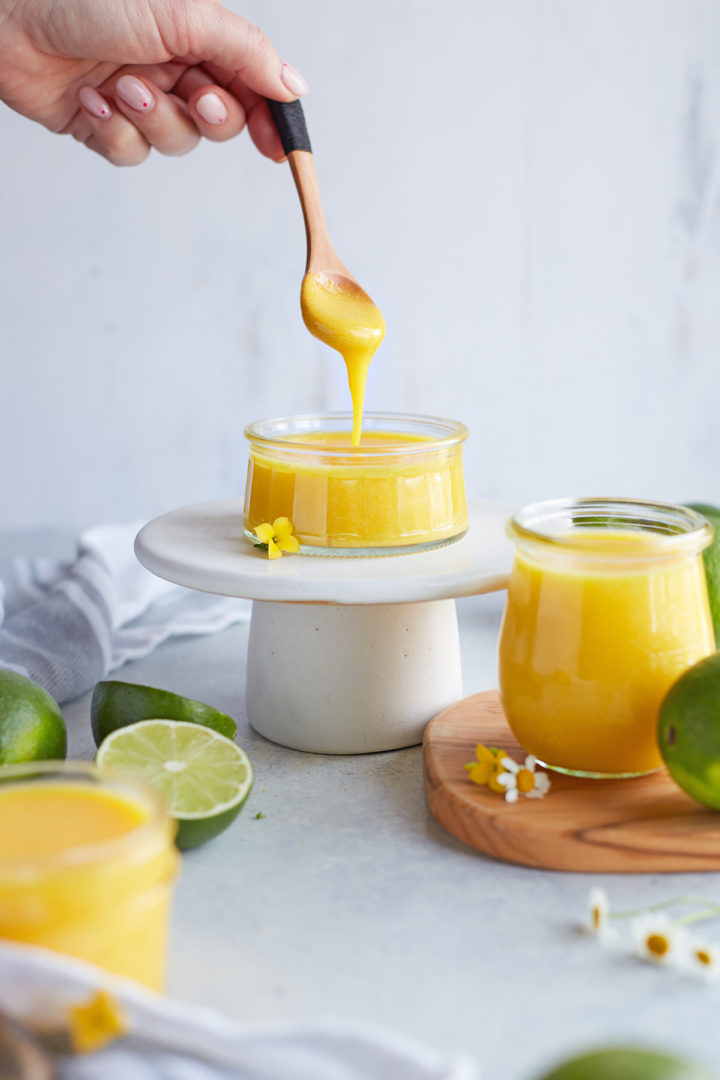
(67, 625)
(168, 1040)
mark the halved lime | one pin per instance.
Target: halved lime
(203, 777)
(115, 704)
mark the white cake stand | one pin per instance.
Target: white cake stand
(346, 655)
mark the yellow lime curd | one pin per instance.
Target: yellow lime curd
(400, 489)
(337, 311)
(86, 867)
(600, 621)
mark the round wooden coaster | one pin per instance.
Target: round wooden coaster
(626, 826)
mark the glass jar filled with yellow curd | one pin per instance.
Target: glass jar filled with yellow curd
(607, 606)
(87, 867)
(400, 490)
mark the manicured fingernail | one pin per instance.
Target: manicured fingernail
(134, 93)
(211, 108)
(293, 80)
(94, 102)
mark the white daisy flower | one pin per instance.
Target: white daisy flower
(522, 779)
(598, 922)
(701, 958)
(657, 939)
(599, 905)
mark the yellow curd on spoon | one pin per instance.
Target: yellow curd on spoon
(339, 312)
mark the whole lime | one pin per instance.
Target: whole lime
(628, 1063)
(116, 704)
(31, 724)
(711, 558)
(689, 731)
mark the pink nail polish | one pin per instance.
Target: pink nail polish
(134, 93)
(293, 80)
(94, 102)
(212, 109)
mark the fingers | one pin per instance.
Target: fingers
(161, 119)
(264, 133)
(130, 113)
(107, 132)
(218, 36)
(260, 124)
(217, 114)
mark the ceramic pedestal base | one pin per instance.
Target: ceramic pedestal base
(350, 679)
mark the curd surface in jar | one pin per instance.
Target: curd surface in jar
(592, 639)
(87, 869)
(398, 489)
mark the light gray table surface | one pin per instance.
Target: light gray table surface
(347, 899)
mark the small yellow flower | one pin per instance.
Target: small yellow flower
(496, 781)
(481, 770)
(489, 768)
(96, 1023)
(278, 537)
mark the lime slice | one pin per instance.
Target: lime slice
(203, 777)
(117, 704)
(31, 724)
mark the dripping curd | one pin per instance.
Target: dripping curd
(340, 313)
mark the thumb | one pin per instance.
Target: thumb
(218, 36)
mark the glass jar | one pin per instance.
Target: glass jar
(607, 606)
(87, 866)
(401, 490)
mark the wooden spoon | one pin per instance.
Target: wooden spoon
(335, 307)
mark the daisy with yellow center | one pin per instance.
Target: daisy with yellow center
(599, 910)
(278, 537)
(522, 779)
(658, 939)
(703, 959)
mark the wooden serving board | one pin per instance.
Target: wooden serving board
(626, 826)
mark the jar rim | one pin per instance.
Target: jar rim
(82, 854)
(282, 433)
(553, 524)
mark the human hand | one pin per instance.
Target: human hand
(123, 76)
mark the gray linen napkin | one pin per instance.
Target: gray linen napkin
(66, 625)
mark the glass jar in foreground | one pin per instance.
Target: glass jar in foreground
(401, 490)
(607, 606)
(87, 867)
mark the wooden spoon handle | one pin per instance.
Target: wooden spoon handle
(289, 119)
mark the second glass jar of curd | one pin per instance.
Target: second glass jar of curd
(607, 606)
(87, 866)
(400, 490)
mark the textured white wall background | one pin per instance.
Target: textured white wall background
(530, 189)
